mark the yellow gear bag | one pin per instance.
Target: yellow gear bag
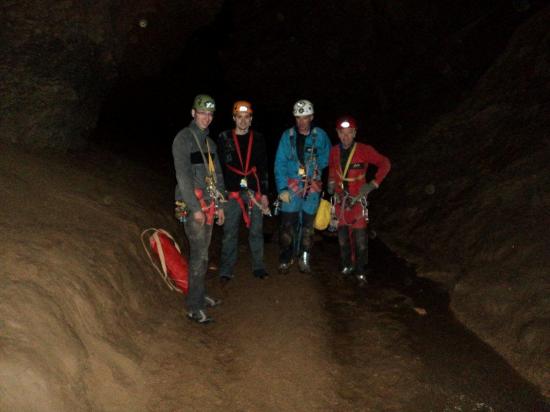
(322, 217)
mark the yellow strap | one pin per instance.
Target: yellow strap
(211, 168)
(349, 161)
(352, 179)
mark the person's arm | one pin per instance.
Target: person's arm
(184, 171)
(261, 163)
(381, 162)
(220, 185)
(221, 152)
(332, 170)
(323, 150)
(281, 164)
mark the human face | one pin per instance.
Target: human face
(346, 136)
(303, 123)
(202, 118)
(242, 120)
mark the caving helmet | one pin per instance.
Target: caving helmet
(302, 107)
(242, 106)
(346, 122)
(204, 102)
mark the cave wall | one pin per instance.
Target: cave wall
(59, 58)
(468, 203)
(478, 226)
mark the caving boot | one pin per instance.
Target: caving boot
(303, 262)
(284, 267)
(260, 274)
(211, 302)
(347, 270)
(200, 316)
(363, 278)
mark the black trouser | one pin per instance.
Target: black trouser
(360, 244)
(290, 227)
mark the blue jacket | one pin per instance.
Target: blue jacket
(287, 164)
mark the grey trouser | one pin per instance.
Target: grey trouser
(199, 241)
(230, 243)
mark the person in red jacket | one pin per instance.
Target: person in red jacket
(347, 182)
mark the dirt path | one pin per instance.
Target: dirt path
(267, 350)
(86, 324)
(300, 342)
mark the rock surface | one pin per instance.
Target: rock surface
(59, 58)
(468, 202)
(86, 324)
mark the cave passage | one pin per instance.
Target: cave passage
(460, 372)
(454, 93)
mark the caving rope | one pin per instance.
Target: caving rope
(172, 270)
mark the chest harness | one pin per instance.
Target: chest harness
(310, 184)
(347, 202)
(216, 197)
(245, 171)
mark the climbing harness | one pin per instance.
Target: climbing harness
(216, 197)
(254, 198)
(347, 203)
(343, 174)
(310, 184)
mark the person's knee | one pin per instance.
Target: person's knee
(285, 237)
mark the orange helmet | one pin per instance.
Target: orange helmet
(242, 106)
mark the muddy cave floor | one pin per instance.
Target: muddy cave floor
(319, 342)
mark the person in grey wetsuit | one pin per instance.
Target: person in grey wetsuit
(200, 188)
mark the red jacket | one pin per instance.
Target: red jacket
(355, 176)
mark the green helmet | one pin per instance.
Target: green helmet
(204, 103)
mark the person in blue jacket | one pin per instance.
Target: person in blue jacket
(301, 157)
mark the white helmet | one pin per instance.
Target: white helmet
(302, 108)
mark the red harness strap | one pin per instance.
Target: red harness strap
(239, 199)
(246, 170)
(209, 210)
(310, 186)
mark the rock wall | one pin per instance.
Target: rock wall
(59, 58)
(371, 58)
(78, 294)
(468, 202)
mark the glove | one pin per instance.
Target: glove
(285, 196)
(366, 188)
